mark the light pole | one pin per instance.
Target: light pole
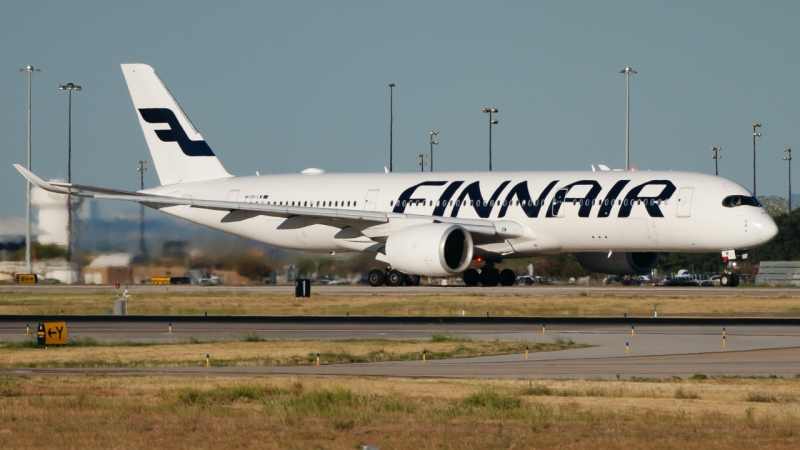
(755, 135)
(627, 71)
(141, 169)
(788, 158)
(29, 70)
(391, 121)
(716, 157)
(490, 111)
(422, 162)
(69, 87)
(433, 133)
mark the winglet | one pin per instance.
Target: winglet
(30, 176)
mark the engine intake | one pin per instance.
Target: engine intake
(433, 250)
(629, 263)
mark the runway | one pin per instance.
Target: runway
(352, 290)
(656, 350)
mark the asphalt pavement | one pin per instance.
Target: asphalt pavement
(655, 350)
(536, 290)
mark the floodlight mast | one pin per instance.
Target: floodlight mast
(141, 169)
(627, 71)
(716, 157)
(433, 133)
(69, 87)
(491, 111)
(788, 158)
(28, 267)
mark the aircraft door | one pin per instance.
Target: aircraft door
(685, 202)
(557, 206)
(372, 200)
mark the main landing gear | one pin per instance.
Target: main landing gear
(489, 276)
(392, 277)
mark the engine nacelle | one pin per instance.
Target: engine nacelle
(434, 250)
(640, 263)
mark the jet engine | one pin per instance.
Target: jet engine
(629, 263)
(433, 250)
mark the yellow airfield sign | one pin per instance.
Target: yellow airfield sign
(52, 333)
(26, 278)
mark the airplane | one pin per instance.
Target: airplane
(437, 224)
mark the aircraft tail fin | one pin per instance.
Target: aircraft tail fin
(179, 152)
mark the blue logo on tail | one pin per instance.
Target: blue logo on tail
(176, 132)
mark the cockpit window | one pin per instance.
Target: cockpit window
(733, 201)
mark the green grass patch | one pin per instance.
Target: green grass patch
(447, 337)
(252, 336)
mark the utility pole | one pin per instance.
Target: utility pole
(69, 87)
(141, 169)
(28, 267)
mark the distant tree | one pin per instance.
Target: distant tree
(694, 262)
(42, 252)
(253, 268)
(774, 204)
(786, 245)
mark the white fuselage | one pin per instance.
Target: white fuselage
(558, 211)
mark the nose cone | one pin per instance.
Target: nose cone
(766, 228)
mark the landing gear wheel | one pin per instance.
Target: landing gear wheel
(490, 277)
(734, 280)
(395, 278)
(376, 278)
(726, 280)
(471, 277)
(416, 280)
(507, 277)
(407, 281)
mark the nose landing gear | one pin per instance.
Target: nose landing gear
(729, 280)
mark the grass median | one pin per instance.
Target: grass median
(279, 413)
(222, 301)
(253, 350)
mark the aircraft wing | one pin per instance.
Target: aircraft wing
(501, 229)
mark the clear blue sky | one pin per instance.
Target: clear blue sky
(281, 86)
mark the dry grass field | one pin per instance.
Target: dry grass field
(256, 351)
(283, 413)
(222, 301)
